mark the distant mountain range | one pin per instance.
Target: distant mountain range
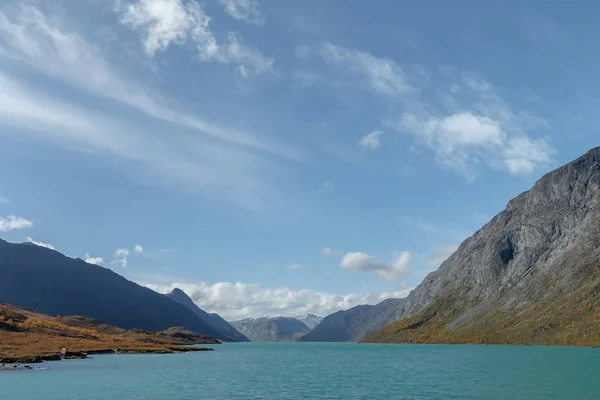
(310, 320)
(279, 329)
(530, 276)
(43, 280)
(353, 324)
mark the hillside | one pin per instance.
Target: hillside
(530, 276)
(26, 336)
(353, 324)
(279, 329)
(48, 282)
(213, 320)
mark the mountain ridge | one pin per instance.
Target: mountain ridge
(212, 319)
(48, 282)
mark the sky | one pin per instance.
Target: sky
(283, 157)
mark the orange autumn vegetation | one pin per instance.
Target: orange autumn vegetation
(568, 319)
(26, 336)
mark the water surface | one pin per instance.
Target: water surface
(320, 371)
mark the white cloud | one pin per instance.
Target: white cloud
(121, 253)
(381, 75)
(245, 10)
(371, 140)
(93, 260)
(161, 23)
(326, 251)
(474, 126)
(398, 268)
(41, 244)
(240, 300)
(441, 255)
(120, 256)
(4, 200)
(138, 249)
(293, 267)
(13, 222)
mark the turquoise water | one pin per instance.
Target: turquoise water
(320, 371)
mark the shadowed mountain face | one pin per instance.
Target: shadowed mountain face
(280, 329)
(48, 282)
(353, 324)
(531, 275)
(213, 320)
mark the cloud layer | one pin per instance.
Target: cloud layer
(240, 300)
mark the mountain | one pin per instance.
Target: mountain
(48, 282)
(213, 320)
(279, 329)
(530, 276)
(353, 324)
(310, 320)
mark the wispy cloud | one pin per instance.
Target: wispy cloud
(138, 249)
(41, 244)
(327, 251)
(12, 222)
(204, 158)
(245, 10)
(381, 75)
(398, 268)
(240, 300)
(371, 140)
(293, 267)
(4, 201)
(29, 37)
(162, 23)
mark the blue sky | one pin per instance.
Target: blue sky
(282, 157)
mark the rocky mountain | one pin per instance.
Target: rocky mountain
(310, 320)
(48, 282)
(353, 324)
(279, 329)
(213, 320)
(530, 276)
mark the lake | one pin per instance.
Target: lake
(320, 371)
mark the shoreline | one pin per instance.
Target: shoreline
(15, 361)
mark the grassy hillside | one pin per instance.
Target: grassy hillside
(565, 319)
(27, 336)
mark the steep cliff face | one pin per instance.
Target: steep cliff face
(515, 276)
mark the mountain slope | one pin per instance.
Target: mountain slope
(48, 282)
(353, 324)
(26, 336)
(279, 329)
(213, 320)
(530, 276)
(310, 320)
